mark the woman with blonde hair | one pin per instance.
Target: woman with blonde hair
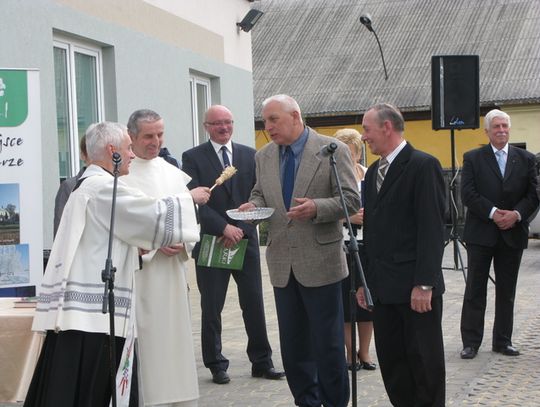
(364, 319)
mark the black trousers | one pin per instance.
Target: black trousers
(411, 353)
(506, 262)
(213, 284)
(311, 337)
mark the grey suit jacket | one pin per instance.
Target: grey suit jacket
(313, 249)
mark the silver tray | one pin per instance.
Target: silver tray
(252, 214)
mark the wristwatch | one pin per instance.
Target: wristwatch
(425, 287)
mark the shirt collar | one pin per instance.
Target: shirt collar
(391, 157)
(298, 146)
(505, 148)
(217, 147)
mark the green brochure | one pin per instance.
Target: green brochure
(214, 254)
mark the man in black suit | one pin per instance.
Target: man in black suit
(498, 186)
(204, 164)
(404, 242)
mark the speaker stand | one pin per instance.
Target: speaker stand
(454, 235)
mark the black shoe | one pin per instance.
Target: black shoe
(507, 350)
(468, 352)
(368, 365)
(356, 366)
(270, 374)
(220, 377)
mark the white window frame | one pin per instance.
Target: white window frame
(71, 47)
(195, 80)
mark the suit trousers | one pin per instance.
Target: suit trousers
(311, 336)
(213, 284)
(410, 351)
(506, 261)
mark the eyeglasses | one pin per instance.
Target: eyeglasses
(220, 123)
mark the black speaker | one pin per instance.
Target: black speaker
(455, 89)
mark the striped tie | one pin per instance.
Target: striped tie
(383, 167)
(226, 162)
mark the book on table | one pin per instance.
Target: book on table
(25, 302)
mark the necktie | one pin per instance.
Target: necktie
(501, 160)
(226, 162)
(381, 173)
(288, 177)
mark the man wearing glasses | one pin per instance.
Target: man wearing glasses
(204, 164)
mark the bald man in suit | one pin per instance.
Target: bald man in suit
(204, 164)
(305, 258)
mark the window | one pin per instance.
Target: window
(200, 102)
(79, 98)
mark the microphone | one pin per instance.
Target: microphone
(328, 149)
(116, 158)
(365, 20)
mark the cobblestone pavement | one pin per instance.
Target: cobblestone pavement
(488, 380)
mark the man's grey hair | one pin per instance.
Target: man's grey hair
(492, 114)
(386, 111)
(287, 102)
(100, 135)
(141, 115)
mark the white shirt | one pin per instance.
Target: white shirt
(217, 148)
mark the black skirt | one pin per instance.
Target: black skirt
(362, 315)
(73, 371)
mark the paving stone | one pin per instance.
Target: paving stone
(491, 379)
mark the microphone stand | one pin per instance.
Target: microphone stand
(107, 276)
(353, 251)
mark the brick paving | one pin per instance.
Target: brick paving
(488, 380)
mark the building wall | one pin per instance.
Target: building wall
(148, 56)
(525, 129)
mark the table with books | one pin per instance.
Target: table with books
(19, 348)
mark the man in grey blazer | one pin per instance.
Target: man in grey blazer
(305, 258)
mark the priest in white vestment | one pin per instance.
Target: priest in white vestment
(73, 368)
(167, 368)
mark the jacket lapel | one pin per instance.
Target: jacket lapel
(216, 164)
(492, 161)
(308, 167)
(395, 170)
(232, 184)
(213, 158)
(271, 154)
(510, 162)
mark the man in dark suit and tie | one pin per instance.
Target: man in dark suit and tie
(204, 164)
(404, 242)
(498, 187)
(305, 256)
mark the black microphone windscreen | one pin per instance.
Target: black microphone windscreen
(117, 158)
(328, 149)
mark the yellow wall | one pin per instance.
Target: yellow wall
(525, 129)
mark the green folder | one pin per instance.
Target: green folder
(213, 254)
